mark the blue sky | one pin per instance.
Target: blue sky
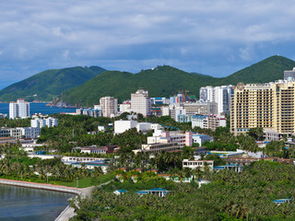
(215, 37)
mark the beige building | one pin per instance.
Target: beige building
(140, 103)
(269, 106)
(109, 106)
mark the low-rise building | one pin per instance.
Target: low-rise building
(201, 164)
(98, 150)
(89, 112)
(20, 132)
(73, 159)
(228, 154)
(179, 137)
(201, 139)
(208, 121)
(158, 147)
(44, 122)
(123, 125)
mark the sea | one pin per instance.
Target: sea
(39, 108)
(26, 204)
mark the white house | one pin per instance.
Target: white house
(194, 164)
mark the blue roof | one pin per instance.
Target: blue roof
(158, 189)
(199, 116)
(142, 192)
(281, 200)
(122, 191)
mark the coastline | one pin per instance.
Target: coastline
(44, 186)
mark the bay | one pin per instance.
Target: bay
(39, 108)
(26, 204)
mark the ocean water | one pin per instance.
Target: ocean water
(25, 204)
(39, 108)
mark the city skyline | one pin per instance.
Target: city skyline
(216, 38)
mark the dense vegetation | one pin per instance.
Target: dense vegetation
(73, 131)
(49, 84)
(17, 165)
(230, 196)
(5, 122)
(166, 81)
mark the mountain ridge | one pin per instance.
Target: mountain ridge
(166, 81)
(48, 84)
(85, 85)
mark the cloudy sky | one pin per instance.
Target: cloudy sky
(215, 37)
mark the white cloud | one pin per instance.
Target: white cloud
(57, 33)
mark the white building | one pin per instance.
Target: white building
(44, 122)
(19, 109)
(208, 121)
(121, 126)
(125, 107)
(165, 110)
(201, 139)
(220, 94)
(289, 75)
(201, 164)
(140, 103)
(20, 132)
(109, 106)
(181, 138)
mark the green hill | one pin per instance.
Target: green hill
(161, 81)
(267, 70)
(49, 84)
(166, 81)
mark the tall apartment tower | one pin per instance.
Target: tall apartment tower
(268, 106)
(140, 102)
(289, 75)
(109, 106)
(19, 109)
(221, 95)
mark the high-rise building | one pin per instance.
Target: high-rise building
(267, 106)
(140, 102)
(289, 75)
(109, 106)
(221, 95)
(19, 109)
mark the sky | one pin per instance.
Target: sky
(216, 37)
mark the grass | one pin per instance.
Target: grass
(80, 183)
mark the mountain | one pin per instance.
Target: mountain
(49, 84)
(161, 81)
(267, 70)
(166, 81)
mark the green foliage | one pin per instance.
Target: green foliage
(5, 122)
(256, 133)
(72, 131)
(48, 84)
(275, 149)
(167, 81)
(230, 196)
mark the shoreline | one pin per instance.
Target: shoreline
(43, 186)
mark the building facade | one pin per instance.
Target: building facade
(208, 121)
(44, 122)
(289, 75)
(267, 106)
(221, 95)
(109, 106)
(19, 109)
(140, 103)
